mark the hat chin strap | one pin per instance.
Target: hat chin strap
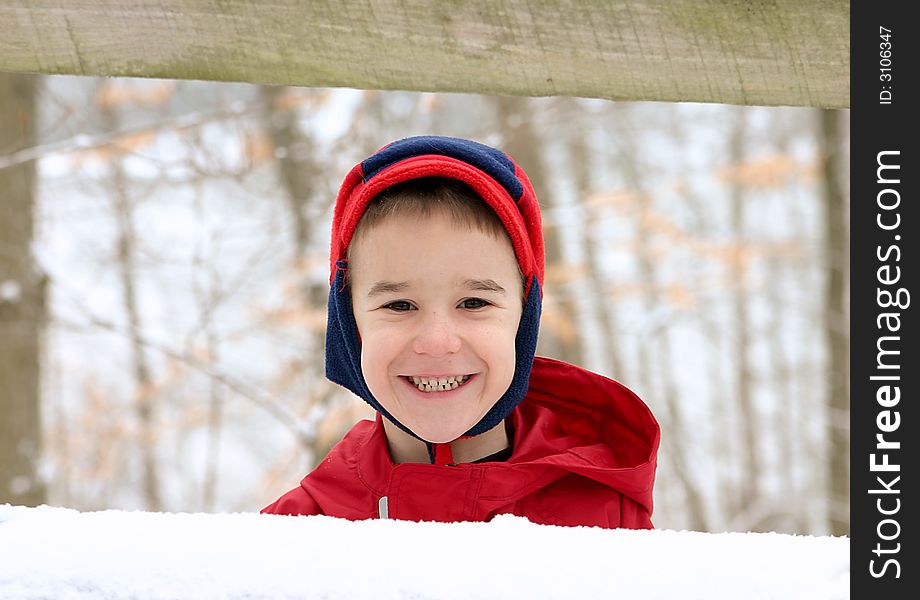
(441, 454)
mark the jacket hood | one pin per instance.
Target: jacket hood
(589, 425)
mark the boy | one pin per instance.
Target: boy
(434, 304)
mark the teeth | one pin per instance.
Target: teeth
(439, 384)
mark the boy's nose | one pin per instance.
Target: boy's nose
(436, 337)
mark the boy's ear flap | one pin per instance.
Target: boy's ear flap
(343, 348)
(525, 345)
(343, 357)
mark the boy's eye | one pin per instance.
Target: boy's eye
(399, 306)
(474, 303)
(469, 304)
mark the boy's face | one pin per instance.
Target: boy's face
(434, 299)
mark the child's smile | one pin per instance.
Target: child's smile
(437, 304)
(438, 383)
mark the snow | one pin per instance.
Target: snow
(60, 553)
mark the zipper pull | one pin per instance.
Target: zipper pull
(382, 508)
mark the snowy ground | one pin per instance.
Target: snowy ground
(60, 553)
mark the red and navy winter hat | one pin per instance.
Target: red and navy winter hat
(502, 184)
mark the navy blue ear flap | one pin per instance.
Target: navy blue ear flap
(343, 353)
(343, 350)
(343, 358)
(525, 347)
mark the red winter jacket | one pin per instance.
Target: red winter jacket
(584, 453)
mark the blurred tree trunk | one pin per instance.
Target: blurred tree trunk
(580, 158)
(457, 114)
(782, 365)
(297, 168)
(521, 141)
(215, 424)
(22, 301)
(655, 347)
(835, 322)
(126, 257)
(711, 330)
(750, 475)
(299, 175)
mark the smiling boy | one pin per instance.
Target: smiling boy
(434, 307)
(437, 334)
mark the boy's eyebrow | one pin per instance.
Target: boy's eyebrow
(483, 285)
(392, 287)
(387, 287)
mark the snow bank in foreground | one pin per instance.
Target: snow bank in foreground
(64, 554)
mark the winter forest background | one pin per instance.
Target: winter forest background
(695, 252)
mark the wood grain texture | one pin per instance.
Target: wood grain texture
(758, 52)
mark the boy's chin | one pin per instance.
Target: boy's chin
(440, 434)
(442, 438)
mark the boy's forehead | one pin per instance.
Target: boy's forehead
(397, 226)
(428, 240)
(407, 251)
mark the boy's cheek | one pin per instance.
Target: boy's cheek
(381, 342)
